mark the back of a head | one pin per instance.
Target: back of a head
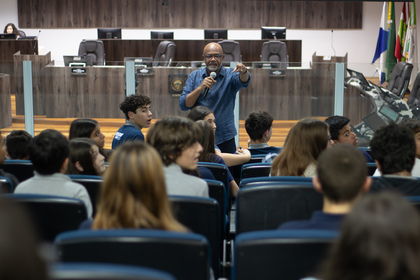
(413, 124)
(206, 140)
(304, 143)
(199, 113)
(81, 152)
(257, 123)
(336, 123)
(380, 239)
(17, 143)
(171, 135)
(393, 146)
(82, 128)
(48, 151)
(133, 102)
(342, 171)
(134, 193)
(19, 246)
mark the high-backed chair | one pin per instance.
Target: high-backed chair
(52, 215)
(280, 254)
(184, 255)
(164, 53)
(21, 33)
(93, 49)
(232, 51)
(207, 223)
(275, 51)
(220, 172)
(413, 100)
(99, 271)
(400, 78)
(93, 186)
(267, 206)
(22, 169)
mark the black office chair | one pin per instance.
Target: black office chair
(280, 254)
(275, 51)
(400, 78)
(52, 215)
(22, 169)
(232, 51)
(207, 223)
(413, 100)
(21, 33)
(93, 49)
(267, 206)
(164, 54)
(100, 271)
(92, 185)
(184, 255)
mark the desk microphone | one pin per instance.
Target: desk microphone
(206, 90)
(36, 42)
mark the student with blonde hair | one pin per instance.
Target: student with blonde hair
(133, 193)
(304, 143)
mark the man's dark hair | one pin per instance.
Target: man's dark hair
(48, 151)
(336, 123)
(17, 143)
(133, 102)
(394, 147)
(342, 171)
(257, 123)
(414, 125)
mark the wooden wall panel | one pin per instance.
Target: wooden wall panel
(204, 14)
(5, 101)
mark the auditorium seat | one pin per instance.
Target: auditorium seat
(217, 191)
(93, 49)
(232, 51)
(400, 78)
(184, 255)
(201, 215)
(273, 180)
(6, 185)
(93, 186)
(267, 206)
(22, 169)
(51, 215)
(280, 254)
(252, 170)
(164, 54)
(100, 271)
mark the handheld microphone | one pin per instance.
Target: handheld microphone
(206, 90)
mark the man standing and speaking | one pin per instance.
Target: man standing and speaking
(215, 87)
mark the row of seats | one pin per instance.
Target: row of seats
(272, 51)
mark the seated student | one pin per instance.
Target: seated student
(133, 193)
(89, 128)
(394, 150)
(259, 126)
(17, 143)
(414, 125)
(304, 143)
(176, 140)
(341, 132)
(203, 113)
(342, 179)
(209, 155)
(379, 239)
(138, 115)
(12, 177)
(49, 155)
(84, 158)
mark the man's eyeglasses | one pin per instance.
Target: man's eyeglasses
(210, 56)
